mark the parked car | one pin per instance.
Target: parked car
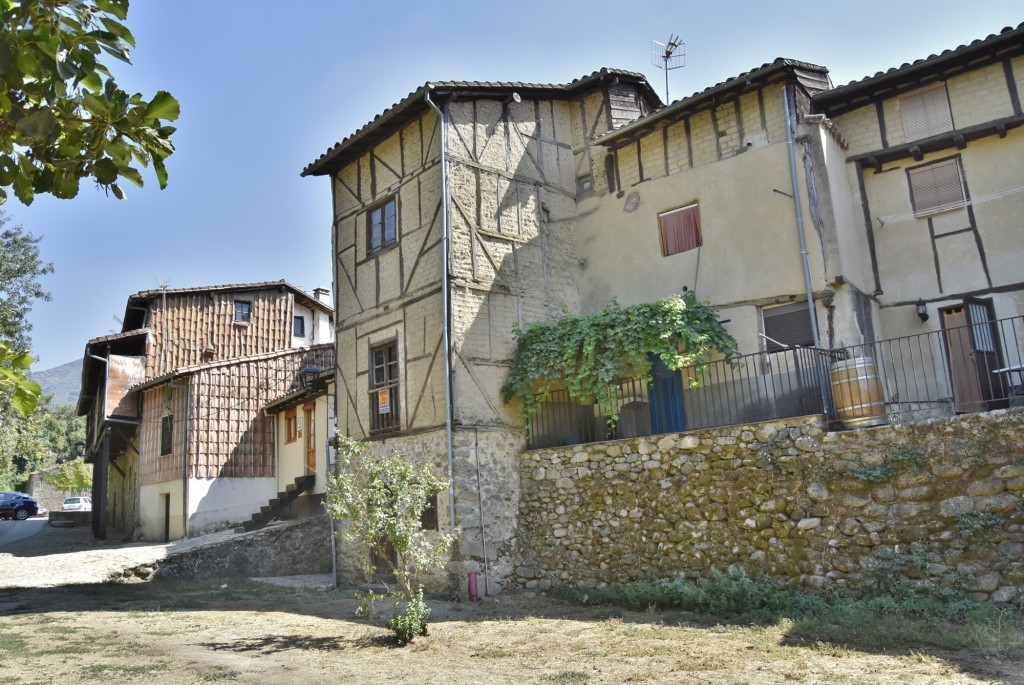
(17, 505)
(77, 504)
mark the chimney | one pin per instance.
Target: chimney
(322, 295)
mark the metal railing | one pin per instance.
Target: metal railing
(384, 409)
(967, 369)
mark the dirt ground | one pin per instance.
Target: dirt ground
(236, 631)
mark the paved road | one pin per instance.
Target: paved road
(12, 531)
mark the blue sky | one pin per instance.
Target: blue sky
(266, 87)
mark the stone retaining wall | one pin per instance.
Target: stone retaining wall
(939, 502)
(296, 548)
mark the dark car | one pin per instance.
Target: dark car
(17, 505)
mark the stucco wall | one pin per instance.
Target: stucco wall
(946, 256)
(152, 514)
(219, 503)
(939, 502)
(291, 456)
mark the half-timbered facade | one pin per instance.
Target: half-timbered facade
(176, 428)
(455, 221)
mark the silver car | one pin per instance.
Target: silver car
(77, 504)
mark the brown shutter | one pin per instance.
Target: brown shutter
(925, 113)
(936, 187)
(680, 229)
(789, 324)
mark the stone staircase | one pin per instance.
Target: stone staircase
(272, 509)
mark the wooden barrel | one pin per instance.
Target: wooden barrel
(857, 393)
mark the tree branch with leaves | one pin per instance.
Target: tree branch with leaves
(585, 354)
(63, 118)
(380, 501)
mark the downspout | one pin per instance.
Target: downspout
(333, 398)
(800, 217)
(445, 304)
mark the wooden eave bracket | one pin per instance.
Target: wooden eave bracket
(958, 138)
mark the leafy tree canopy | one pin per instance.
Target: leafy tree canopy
(584, 354)
(20, 270)
(63, 118)
(41, 439)
(73, 476)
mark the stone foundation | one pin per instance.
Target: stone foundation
(297, 548)
(938, 502)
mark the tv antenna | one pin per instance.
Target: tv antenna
(668, 56)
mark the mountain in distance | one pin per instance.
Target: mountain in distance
(63, 382)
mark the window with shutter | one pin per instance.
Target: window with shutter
(925, 113)
(787, 326)
(936, 187)
(680, 229)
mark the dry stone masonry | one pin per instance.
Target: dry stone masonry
(938, 503)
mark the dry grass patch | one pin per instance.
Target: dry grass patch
(182, 634)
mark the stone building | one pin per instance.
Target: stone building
(795, 207)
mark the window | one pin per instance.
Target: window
(925, 113)
(384, 387)
(787, 326)
(428, 518)
(680, 229)
(299, 326)
(381, 226)
(243, 311)
(936, 187)
(292, 421)
(166, 434)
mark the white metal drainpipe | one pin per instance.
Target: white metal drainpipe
(445, 334)
(800, 217)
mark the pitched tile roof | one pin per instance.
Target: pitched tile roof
(232, 361)
(815, 75)
(300, 294)
(414, 103)
(1009, 39)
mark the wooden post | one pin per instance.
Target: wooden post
(99, 484)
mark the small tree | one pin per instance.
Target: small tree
(73, 476)
(380, 501)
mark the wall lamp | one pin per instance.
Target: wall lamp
(307, 377)
(922, 310)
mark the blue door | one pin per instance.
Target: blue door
(666, 395)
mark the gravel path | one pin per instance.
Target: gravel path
(65, 556)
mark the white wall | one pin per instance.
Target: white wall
(219, 503)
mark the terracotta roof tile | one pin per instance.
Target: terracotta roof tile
(416, 97)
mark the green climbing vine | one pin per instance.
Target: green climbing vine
(584, 354)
